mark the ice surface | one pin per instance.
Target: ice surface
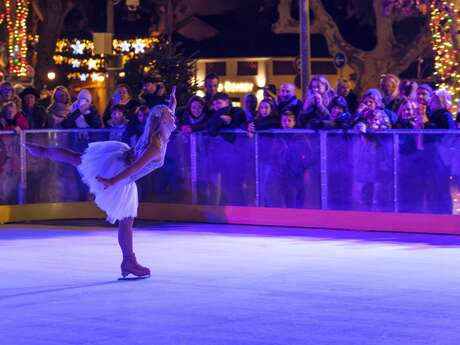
(223, 284)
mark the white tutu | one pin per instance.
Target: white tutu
(107, 159)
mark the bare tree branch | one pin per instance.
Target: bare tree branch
(404, 56)
(335, 41)
(37, 10)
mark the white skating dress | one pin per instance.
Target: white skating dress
(107, 159)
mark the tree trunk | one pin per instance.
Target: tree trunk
(50, 29)
(387, 57)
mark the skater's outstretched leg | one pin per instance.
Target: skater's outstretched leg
(125, 240)
(57, 154)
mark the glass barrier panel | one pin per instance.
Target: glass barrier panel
(428, 172)
(10, 168)
(225, 169)
(172, 182)
(289, 169)
(49, 181)
(360, 171)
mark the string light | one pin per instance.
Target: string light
(79, 55)
(444, 25)
(16, 13)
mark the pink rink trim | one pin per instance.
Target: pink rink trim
(345, 220)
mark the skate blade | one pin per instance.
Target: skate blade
(133, 278)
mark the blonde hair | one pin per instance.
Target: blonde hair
(328, 95)
(152, 131)
(417, 119)
(445, 98)
(65, 91)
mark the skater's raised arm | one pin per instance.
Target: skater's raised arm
(151, 146)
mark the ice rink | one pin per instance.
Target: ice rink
(227, 284)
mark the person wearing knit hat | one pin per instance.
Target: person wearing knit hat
(35, 114)
(83, 113)
(59, 108)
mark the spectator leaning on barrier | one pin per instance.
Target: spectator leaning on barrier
(225, 116)
(12, 119)
(7, 94)
(265, 118)
(317, 98)
(117, 117)
(343, 89)
(407, 90)
(389, 84)
(36, 115)
(288, 120)
(287, 99)
(440, 117)
(84, 114)
(153, 92)
(59, 108)
(250, 107)
(409, 116)
(340, 117)
(121, 97)
(370, 114)
(194, 118)
(135, 126)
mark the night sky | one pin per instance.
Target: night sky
(245, 31)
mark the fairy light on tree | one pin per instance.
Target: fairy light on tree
(16, 12)
(445, 27)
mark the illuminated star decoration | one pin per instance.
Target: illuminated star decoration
(138, 46)
(76, 63)
(92, 64)
(78, 48)
(125, 46)
(83, 76)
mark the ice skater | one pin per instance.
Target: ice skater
(110, 169)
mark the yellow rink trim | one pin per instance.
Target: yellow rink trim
(28, 212)
(346, 220)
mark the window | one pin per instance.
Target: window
(219, 68)
(247, 68)
(323, 67)
(283, 68)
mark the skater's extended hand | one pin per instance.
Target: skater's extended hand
(107, 182)
(173, 100)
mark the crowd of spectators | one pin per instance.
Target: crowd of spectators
(394, 104)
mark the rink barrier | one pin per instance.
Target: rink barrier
(200, 156)
(342, 220)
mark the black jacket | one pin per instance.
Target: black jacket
(293, 104)
(216, 123)
(129, 108)
(36, 117)
(440, 119)
(92, 118)
(201, 125)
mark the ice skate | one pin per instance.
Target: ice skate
(131, 266)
